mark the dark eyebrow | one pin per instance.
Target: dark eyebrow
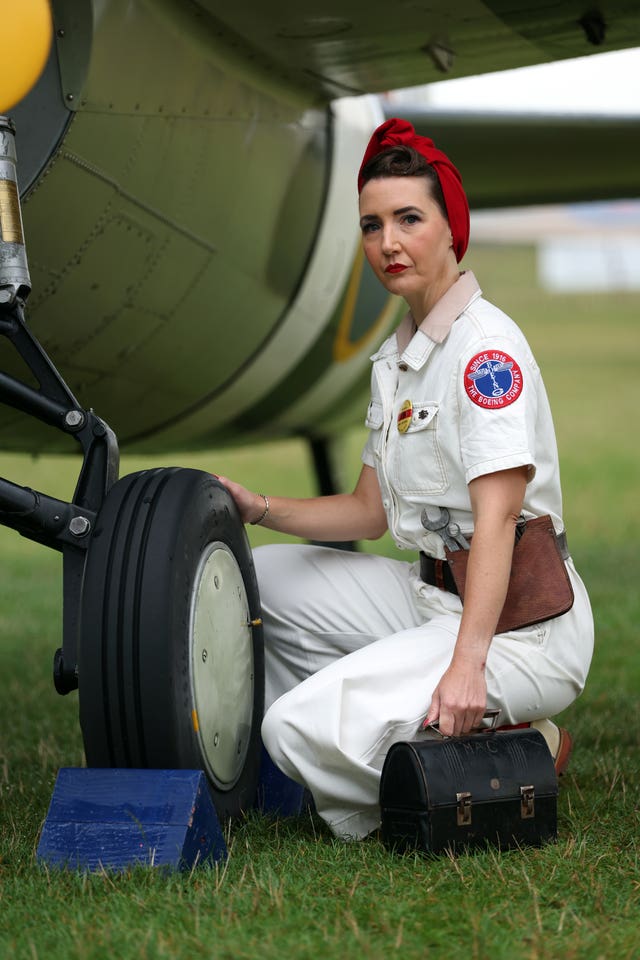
(372, 217)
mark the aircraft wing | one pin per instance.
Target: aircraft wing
(345, 47)
(511, 159)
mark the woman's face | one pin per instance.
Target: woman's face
(407, 240)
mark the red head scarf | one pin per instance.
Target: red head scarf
(394, 133)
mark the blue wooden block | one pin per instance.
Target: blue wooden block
(117, 818)
(278, 795)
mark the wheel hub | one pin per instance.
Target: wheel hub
(222, 672)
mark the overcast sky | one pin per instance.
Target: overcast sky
(604, 82)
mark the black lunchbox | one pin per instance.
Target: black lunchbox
(494, 788)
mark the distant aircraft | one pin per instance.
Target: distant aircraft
(187, 174)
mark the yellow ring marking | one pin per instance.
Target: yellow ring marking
(343, 347)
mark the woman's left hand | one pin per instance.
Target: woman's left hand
(460, 699)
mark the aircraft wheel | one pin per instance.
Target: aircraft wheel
(171, 669)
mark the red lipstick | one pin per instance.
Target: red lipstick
(395, 268)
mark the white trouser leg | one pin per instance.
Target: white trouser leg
(356, 651)
(320, 604)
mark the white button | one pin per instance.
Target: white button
(385, 504)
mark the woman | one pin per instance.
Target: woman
(362, 651)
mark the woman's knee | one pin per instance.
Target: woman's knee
(268, 561)
(274, 727)
(279, 567)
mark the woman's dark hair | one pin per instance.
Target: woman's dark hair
(404, 161)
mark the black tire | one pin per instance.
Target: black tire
(171, 667)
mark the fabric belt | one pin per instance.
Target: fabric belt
(438, 572)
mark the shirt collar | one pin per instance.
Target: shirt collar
(414, 346)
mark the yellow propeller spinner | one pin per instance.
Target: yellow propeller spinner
(26, 40)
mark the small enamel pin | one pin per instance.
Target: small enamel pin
(405, 415)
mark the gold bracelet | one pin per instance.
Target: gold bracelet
(264, 512)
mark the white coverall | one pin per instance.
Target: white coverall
(355, 644)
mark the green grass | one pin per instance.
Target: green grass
(288, 888)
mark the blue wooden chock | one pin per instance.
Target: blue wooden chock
(116, 819)
(278, 795)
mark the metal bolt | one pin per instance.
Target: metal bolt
(595, 27)
(60, 33)
(79, 526)
(70, 97)
(204, 656)
(216, 583)
(74, 418)
(216, 738)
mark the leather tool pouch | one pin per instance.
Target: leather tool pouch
(539, 586)
(465, 792)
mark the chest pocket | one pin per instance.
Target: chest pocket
(416, 463)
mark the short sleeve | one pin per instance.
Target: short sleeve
(374, 421)
(497, 396)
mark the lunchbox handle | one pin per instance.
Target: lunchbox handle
(492, 715)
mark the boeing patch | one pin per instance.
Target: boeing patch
(493, 379)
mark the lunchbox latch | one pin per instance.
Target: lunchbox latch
(464, 808)
(527, 806)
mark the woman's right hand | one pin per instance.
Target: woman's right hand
(250, 505)
(343, 516)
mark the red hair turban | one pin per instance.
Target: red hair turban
(395, 133)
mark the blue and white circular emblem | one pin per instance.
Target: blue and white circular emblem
(493, 379)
